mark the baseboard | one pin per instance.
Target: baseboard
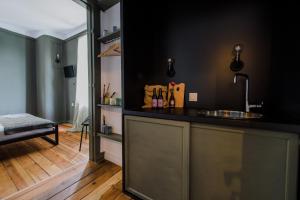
(117, 159)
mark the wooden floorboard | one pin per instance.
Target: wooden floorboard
(93, 185)
(106, 171)
(44, 162)
(26, 163)
(7, 185)
(36, 169)
(99, 191)
(54, 157)
(31, 167)
(87, 181)
(16, 172)
(48, 188)
(115, 193)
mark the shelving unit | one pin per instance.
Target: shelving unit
(107, 105)
(110, 74)
(113, 136)
(110, 37)
(113, 50)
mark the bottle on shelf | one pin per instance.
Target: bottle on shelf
(154, 99)
(160, 100)
(172, 99)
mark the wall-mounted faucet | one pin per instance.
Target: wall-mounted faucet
(247, 105)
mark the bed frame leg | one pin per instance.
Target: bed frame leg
(56, 140)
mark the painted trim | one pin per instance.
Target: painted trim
(76, 36)
(61, 36)
(16, 34)
(44, 35)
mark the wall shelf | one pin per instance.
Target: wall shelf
(113, 50)
(107, 105)
(110, 37)
(113, 136)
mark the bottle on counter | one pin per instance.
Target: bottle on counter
(160, 100)
(172, 99)
(154, 99)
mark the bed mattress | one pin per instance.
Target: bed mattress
(15, 123)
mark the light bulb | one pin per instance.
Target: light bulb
(238, 47)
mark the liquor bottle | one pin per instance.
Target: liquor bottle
(172, 99)
(160, 100)
(154, 99)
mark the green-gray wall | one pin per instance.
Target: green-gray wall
(17, 73)
(70, 58)
(50, 79)
(31, 81)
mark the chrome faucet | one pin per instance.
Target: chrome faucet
(247, 105)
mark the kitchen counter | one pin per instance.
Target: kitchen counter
(281, 124)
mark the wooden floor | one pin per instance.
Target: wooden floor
(35, 169)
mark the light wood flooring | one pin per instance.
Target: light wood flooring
(35, 169)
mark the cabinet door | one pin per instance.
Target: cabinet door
(156, 158)
(242, 164)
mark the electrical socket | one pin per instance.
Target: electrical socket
(193, 97)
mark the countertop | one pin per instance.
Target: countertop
(282, 124)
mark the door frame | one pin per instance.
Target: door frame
(94, 67)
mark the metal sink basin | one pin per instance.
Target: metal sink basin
(230, 114)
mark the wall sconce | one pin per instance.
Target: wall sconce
(236, 64)
(57, 58)
(171, 70)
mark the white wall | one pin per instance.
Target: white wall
(111, 73)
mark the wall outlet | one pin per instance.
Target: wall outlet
(193, 97)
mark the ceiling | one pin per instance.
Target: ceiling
(58, 18)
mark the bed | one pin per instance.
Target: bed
(19, 127)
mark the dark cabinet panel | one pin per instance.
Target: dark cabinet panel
(242, 164)
(156, 158)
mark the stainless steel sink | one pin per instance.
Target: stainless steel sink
(230, 114)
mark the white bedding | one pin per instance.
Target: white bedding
(9, 116)
(10, 124)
